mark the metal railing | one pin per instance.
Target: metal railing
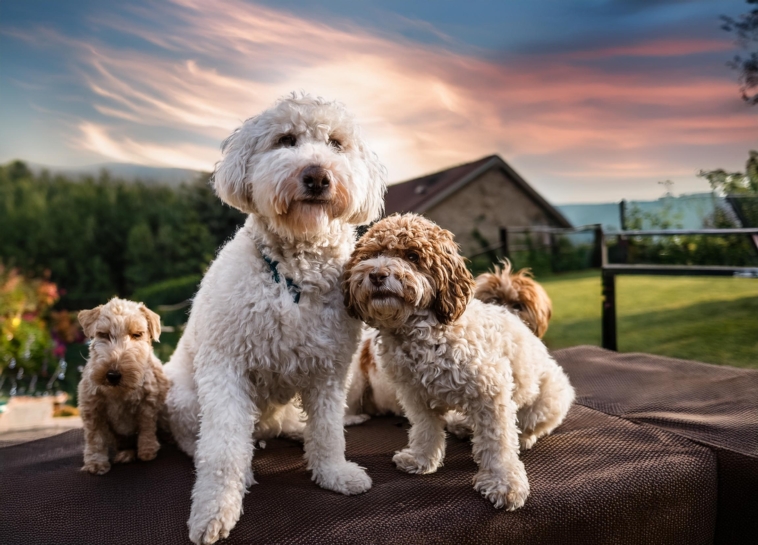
(505, 247)
(609, 271)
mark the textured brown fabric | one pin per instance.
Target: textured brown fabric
(598, 479)
(712, 405)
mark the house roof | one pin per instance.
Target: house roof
(421, 194)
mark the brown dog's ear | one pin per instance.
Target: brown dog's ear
(346, 292)
(153, 323)
(455, 284)
(87, 319)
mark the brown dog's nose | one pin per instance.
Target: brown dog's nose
(114, 377)
(378, 277)
(316, 179)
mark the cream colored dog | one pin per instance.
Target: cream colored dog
(123, 387)
(442, 352)
(370, 392)
(268, 324)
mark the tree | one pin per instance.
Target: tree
(745, 28)
(739, 188)
(735, 183)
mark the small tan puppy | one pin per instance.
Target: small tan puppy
(123, 387)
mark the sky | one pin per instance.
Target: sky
(589, 100)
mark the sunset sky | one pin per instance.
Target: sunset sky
(589, 100)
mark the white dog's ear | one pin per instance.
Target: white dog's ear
(229, 177)
(87, 319)
(376, 186)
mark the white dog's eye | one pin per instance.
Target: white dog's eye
(287, 141)
(137, 336)
(103, 336)
(336, 144)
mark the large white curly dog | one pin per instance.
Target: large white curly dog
(268, 322)
(443, 352)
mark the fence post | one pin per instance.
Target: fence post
(597, 254)
(609, 310)
(622, 214)
(504, 242)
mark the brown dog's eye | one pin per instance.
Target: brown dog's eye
(412, 257)
(137, 336)
(517, 307)
(336, 144)
(287, 141)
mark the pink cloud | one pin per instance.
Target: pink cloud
(423, 107)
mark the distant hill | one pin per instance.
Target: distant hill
(685, 211)
(127, 171)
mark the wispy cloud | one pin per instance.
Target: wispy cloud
(191, 80)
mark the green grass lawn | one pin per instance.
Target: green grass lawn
(710, 319)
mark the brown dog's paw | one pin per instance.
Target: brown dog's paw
(124, 457)
(147, 449)
(97, 467)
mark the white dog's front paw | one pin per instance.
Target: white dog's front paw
(508, 490)
(348, 478)
(210, 521)
(411, 462)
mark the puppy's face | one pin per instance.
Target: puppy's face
(404, 266)
(122, 333)
(519, 293)
(301, 164)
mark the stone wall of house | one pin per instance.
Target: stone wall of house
(491, 201)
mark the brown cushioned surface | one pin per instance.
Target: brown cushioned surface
(712, 405)
(598, 479)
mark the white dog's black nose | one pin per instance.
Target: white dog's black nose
(114, 377)
(316, 179)
(378, 277)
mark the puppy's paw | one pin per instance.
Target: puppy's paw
(508, 490)
(356, 419)
(124, 457)
(458, 425)
(294, 434)
(348, 478)
(147, 447)
(527, 441)
(411, 462)
(210, 521)
(97, 466)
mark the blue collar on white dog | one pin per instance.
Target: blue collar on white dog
(293, 288)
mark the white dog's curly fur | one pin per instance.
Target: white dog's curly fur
(444, 352)
(268, 323)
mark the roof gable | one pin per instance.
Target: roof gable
(421, 194)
